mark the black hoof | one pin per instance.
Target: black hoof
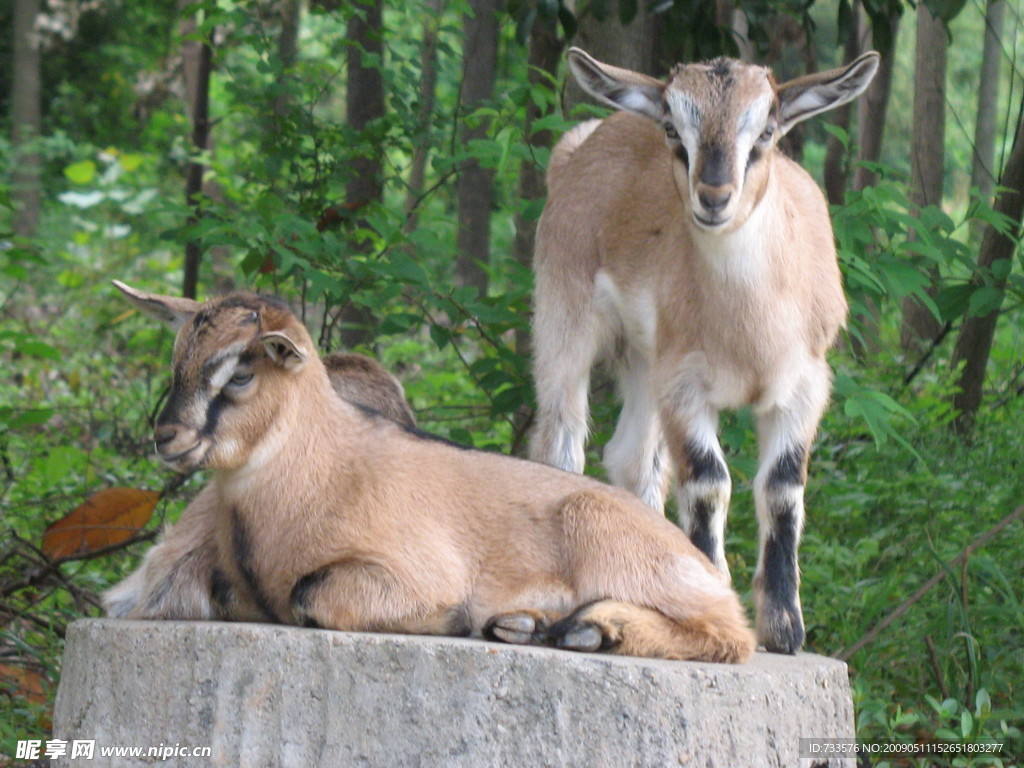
(516, 629)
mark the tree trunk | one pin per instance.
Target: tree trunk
(424, 115)
(872, 109)
(287, 49)
(26, 120)
(543, 57)
(983, 171)
(975, 340)
(198, 64)
(630, 46)
(364, 101)
(837, 158)
(927, 153)
(364, 106)
(475, 185)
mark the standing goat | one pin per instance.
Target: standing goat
(330, 515)
(180, 577)
(681, 244)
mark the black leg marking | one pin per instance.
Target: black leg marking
(241, 548)
(700, 534)
(220, 589)
(780, 560)
(158, 598)
(459, 622)
(790, 469)
(302, 595)
(780, 584)
(705, 466)
(161, 590)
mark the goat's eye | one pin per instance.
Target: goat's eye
(767, 133)
(670, 131)
(240, 379)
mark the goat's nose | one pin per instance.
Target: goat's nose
(163, 435)
(714, 199)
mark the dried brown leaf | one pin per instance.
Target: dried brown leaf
(107, 518)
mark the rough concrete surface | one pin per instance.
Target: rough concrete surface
(265, 695)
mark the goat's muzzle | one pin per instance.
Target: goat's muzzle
(181, 448)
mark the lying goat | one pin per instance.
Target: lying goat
(678, 242)
(180, 578)
(333, 516)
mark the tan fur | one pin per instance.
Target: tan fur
(175, 581)
(340, 518)
(680, 244)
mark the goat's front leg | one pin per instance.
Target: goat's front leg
(357, 595)
(784, 436)
(690, 426)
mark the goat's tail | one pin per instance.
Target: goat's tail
(566, 146)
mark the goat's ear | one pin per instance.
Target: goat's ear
(283, 350)
(619, 88)
(171, 310)
(813, 94)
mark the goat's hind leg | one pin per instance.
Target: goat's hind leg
(566, 343)
(623, 628)
(356, 595)
(690, 425)
(645, 589)
(634, 456)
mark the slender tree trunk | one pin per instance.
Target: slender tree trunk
(630, 46)
(287, 49)
(364, 102)
(475, 185)
(983, 171)
(837, 159)
(26, 119)
(975, 340)
(543, 57)
(424, 115)
(203, 63)
(872, 109)
(787, 36)
(927, 154)
(364, 105)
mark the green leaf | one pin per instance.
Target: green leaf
(441, 335)
(954, 300)
(982, 704)
(398, 322)
(966, 723)
(627, 11)
(568, 21)
(984, 301)
(838, 133)
(461, 436)
(509, 400)
(130, 161)
(39, 349)
(82, 172)
(18, 418)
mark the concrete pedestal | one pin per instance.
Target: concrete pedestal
(283, 697)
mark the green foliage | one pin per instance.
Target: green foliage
(892, 497)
